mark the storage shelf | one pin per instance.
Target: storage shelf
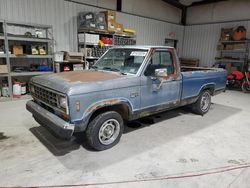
(3, 74)
(28, 73)
(83, 30)
(69, 61)
(234, 51)
(28, 39)
(230, 60)
(233, 42)
(20, 39)
(2, 55)
(31, 56)
(22, 97)
(92, 57)
(31, 25)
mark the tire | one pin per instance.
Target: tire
(245, 87)
(105, 130)
(202, 105)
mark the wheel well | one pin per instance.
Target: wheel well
(122, 109)
(209, 88)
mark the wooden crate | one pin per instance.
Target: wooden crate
(73, 56)
(189, 62)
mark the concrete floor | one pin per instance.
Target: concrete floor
(173, 149)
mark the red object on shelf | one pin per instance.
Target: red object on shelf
(107, 40)
(66, 68)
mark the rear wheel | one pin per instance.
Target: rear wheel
(105, 130)
(245, 87)
(202, 105)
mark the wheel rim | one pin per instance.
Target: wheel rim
(109, 131)
(246, 87)
(205, 101)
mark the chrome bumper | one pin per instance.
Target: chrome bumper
(60, 127)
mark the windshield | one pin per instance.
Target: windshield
(125, 61)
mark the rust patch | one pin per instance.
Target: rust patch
(86, 76)
(101, 104)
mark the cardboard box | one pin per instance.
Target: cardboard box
(226, 34)
(18, 50)
(77, 67)
(101, 26)
(234, 69)
(100, 18)
(110, 15)
(239, 46)
(73, 56)
(111, 26)
(229, 47)
(3, 69)
(189, 62)
(119, 28)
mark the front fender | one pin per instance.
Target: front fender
(102, 104)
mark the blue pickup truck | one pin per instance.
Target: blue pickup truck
(125, 84)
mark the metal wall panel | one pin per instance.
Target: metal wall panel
(62, 15)
(200, 41)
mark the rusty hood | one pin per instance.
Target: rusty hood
(79, 81)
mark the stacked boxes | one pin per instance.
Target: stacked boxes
(119, 28)
(100, 21)
(86, 20)
(105, 21)
(111, 20)
(90, 38)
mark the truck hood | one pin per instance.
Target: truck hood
(77, 82)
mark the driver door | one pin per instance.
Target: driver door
(168, 94)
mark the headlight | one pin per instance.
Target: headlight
(63, 102)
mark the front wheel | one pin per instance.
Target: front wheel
(105, 130)
(202, 105)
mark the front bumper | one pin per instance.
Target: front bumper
(60, 127)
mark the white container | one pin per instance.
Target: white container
(17, 89)
(58, 56)
(5, 91)
(23, 88)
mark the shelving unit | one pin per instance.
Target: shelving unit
(14, 33)
(234, 53)
(97, 51)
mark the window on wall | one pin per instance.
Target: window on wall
(160, 60)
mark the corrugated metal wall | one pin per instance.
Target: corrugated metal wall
(200, 41)
(62, 15)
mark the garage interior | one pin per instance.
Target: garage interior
(174, 148)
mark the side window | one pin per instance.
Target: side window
(160, 60)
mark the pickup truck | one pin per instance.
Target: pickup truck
(125, 84)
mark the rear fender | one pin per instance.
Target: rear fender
(209, 86)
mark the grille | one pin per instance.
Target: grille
(45, 96)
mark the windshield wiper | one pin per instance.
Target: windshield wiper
(111, 69)
(94, 67)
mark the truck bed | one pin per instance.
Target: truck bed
(187, 69)
(194, 78)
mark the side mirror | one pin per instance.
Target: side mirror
(161, 73)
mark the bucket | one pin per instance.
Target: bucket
(23, 88)
(5, 90)
(17, 89)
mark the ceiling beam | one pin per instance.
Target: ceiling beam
(205, 2)
(119, 5)
(175, 3)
